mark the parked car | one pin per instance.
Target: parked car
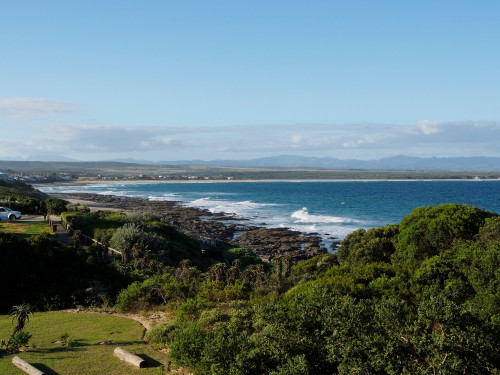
(3, 217)
(11, 215)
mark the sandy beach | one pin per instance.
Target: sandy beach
(91, 204)
(183, 181)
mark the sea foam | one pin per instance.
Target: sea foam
(303, 216)
(231, 207)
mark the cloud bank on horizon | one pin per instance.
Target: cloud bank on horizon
(52, 138)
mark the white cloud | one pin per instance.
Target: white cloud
(29, 108)
(366, 141)
(429, 127)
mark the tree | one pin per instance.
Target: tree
(20, 314)
(218, 271)
(55, 206)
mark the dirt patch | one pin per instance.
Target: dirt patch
(147, 320)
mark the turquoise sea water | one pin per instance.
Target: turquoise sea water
(328, 208)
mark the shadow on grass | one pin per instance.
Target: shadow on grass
(125, 343)
(58, 349)
(79, 346)
(150, 362)
(46, 370)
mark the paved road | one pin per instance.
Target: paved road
(32, 218)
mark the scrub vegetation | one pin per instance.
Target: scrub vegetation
(420, 297)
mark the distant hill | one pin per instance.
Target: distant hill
(401, 162)
(18, 190)
(278, 167)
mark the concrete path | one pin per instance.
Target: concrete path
(59, 230)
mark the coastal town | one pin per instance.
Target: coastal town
(67, 177)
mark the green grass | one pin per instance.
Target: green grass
(87, 356)
(23, 229)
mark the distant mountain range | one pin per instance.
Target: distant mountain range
(401, 162)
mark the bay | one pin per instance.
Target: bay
(329, 208)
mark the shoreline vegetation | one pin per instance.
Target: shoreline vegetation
(417, 297)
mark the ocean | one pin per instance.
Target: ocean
(331, 209)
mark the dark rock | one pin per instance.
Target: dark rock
(210, 230)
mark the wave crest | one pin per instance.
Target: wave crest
(233, 207)
(303, 216)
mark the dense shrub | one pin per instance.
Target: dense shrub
(382, 310)
(156, 290)
(163, 335)
(428, 231)
(244, 256)
(133, 242)
(368, 246)
(55, 206)
(187, 348)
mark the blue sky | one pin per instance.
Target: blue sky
(169, 80)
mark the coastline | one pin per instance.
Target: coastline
(211, 229)
(91, 204)
(236, 213)
(183, 181)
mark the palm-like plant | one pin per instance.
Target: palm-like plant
(218, 271)
(21, 314)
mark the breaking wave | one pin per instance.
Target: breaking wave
(226, 206)
(303, 216)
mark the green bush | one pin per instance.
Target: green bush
(428, 231)
(163, 335)
(246, 257)
(191, 309)
(210, 317)
(367, 246)
(187, 348)
(131, 299)
(18, 340)
(318, 264)
(154, 291)
(132, 241)
(55, 206)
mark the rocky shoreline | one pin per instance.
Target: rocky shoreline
(214, 229)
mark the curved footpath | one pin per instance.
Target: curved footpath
(148, 322)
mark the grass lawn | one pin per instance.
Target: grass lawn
(24, 229)
(87, 356)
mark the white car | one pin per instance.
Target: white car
(11, 215)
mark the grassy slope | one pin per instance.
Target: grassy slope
(87, 357)
(18, 190)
